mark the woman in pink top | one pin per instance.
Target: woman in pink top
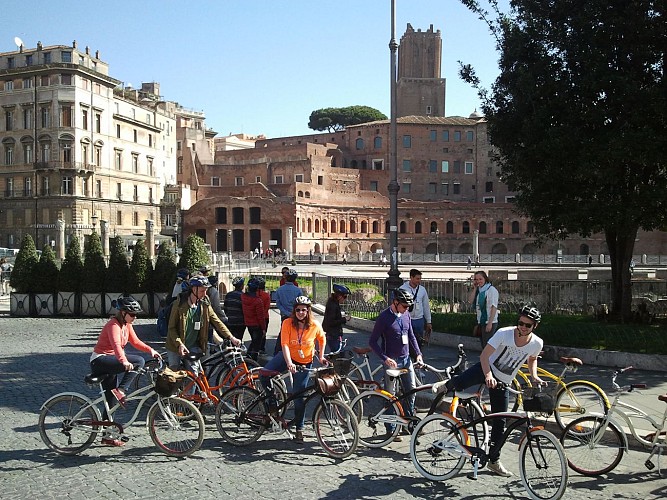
(109, 355)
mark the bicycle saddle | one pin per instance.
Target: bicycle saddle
(263, 372)
(91, 379)
(362, 350)
(396, 372)
(575, 361)
(193, 356)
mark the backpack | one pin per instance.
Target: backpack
(163, 319)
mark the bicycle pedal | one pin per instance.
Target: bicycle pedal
(124, 438)
(649, 465)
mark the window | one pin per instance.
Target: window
(468, 167)
(66, 115)
(444, 188)
(179, 166)
(407, 141)
(98, 188)
(298, 178)
(119, 218)
(278, 179)
(320, 182)
(27, 186)
(47, 57)
(215, 181)
(178, 146)
(135, 164)
(407, 166)
(66, 79)
(449, 227)
(445, 167)
(119, 191)
(500, 227)
(445, 135)
(466, 227)
(433, 166)
(28, 60)
(378, 164)
(45, 152)
(238, 181)
(9, 85)
(482, 227)
(45, 117)
(489, 187)
(258, 179)
(406, 187)
(433, 135)
(237, 215)
(67, 186)
(255, 215)
(457, 188)
(10, 187)
(135, 193)
(9, 155)
(515, 227)
(27, 153)
(135, 135)
(150, 167)
(84, 119)
(403, 227)
(45, 186)
(84, 187)
(509, 199)
(359, 143)
(429, 110)
(27, 118)
(470, 136)
(432, 187)
(11, 63)
(135, 219)
(45, 81)
(221, 215)
(67, 153)
(98, 123)
(9, 120)
(377, 143)
(118, 131)
(84, 153)
(488, 199)
(374, 186)
(150, 140)
(418, 227)
(457, 136)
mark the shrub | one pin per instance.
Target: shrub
(118, 272)
(164, 275)
(194, 254)
(46, 272)
(140, 269)
(94, 269)
(71, 270)
(24, 271)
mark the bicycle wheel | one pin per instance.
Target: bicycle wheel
(348, 391)
(376, 415)
(543, 466)
(436, 447)
(468, 410)
(241, 416)
(67, 424)
(579, 398)
(591, 449)
(336, 428)
(425, 376)
(175, 426)
(146, 379)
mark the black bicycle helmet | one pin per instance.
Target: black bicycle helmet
(261, 283)
(342, 289)
(238, 281)
(291, 275)
(531, 312)
(183, 274)
(127, 303)
(404, 297)
(302, 300)
(253, 285)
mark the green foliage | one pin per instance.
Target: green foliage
(71, 270)
(577, 116)
(94, 268)
(140, 269)
(194, 254)
(24, 271)
(46, 272)
(118, 271)
(333, 119)
(164, 275)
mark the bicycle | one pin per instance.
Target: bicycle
(440, 445)
(573, 399)
(595, 443)
(242, 415)
(69, 422)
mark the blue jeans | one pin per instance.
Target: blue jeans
(408, 382)
(300, 380)
(499, 398)
(175, 361)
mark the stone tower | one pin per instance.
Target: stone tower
(421, 90)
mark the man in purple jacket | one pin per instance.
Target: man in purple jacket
(392, 338)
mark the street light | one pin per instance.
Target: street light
(437, 250)
(94, 221)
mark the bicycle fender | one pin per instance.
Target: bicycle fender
(592, 385)
(77, 394)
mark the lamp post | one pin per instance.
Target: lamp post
(229, 248)
(93, 220)
(437, 250)
(394, 280)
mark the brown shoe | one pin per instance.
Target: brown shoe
(298, 436)
(398, 439)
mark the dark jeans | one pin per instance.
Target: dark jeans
(109, 365)
(333, 342)
(278, 348)
(256, 335)
(237, 330)
(262, 348)
(300, 380)
(499, 398)
(484, 337)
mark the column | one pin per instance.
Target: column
(104, 235)
(60, 240)
(475, 245)
(289, 242)
(150, 238)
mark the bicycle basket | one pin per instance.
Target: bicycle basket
(342, 363)
(538, 401)
(328, 385)
(169, 382)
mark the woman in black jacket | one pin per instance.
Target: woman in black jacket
(333, 317)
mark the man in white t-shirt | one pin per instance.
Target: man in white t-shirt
(500, 361)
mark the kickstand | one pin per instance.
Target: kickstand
(475, 468)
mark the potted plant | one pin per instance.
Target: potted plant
(68, 298)
(117, 274)
(22, 278)
(140, 274)
(46, 282)
(163, 277)
(92, 283)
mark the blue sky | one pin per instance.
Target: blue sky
(262, 66)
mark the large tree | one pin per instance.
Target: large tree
(578, 116)
(333, 119)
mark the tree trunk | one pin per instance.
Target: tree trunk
(620, 250)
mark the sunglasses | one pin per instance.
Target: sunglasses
(134, 315)
(527, 325)
(301, 310)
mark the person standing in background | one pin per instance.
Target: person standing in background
(285, 297)
(234, 309)
(484, 297)
(334, 319)
(266, 299)
(254, 317)
(420, 314)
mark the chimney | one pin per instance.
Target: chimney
(74, 44)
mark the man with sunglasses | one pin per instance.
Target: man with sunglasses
(392, 339)
(500, 361)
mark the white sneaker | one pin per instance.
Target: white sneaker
(499, 469)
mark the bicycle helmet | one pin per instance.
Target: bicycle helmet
(261, 283)
(205, 269)
(404, 297)
(302, 300)
(183, 274)
(213, 279)
(531, 312)
(127, 303)
(341, 289)
(199, 281)
(291, 275)
(253, 285)
(238, 281)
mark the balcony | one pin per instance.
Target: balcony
(65, 165)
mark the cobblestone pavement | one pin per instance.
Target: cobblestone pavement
(41, 357)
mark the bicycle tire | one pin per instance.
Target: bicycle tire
(192, 391)
(469, 410)
(279, 389)
(588, 452)
(336, 428)
(240, 416)
(435, 447)
(425, 376)
(543, 466)
(65, 424)
(579, 398)
(178, 429)
(348, 391)
(372, 409)
(146, 378)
